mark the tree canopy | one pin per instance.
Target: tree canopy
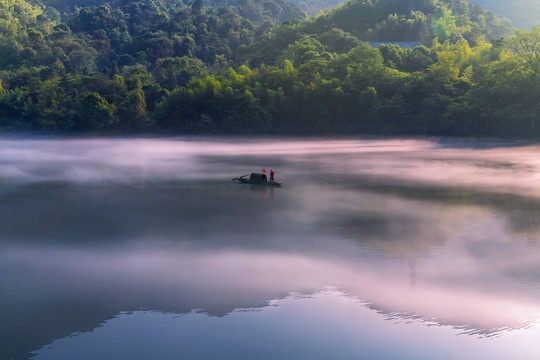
(246, 67)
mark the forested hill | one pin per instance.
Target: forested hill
(267, 10)
(523, 13)
(199, 67)
(385, 21)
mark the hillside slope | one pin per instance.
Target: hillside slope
(356, 21)
(253, 10)
(314, 7)
(523, 13)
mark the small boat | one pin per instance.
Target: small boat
(256, 179)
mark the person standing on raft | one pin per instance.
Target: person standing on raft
(272, 175)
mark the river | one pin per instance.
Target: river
(373, 248)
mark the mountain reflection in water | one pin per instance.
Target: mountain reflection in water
(430, 231)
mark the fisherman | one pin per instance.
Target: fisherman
(272, 175)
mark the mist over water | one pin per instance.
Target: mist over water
(129, 243)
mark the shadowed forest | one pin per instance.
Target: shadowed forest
(244, 66)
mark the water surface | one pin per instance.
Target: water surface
(374, 248)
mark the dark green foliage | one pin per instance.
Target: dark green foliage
(145, 33)
(336, 40)
(259, 11)
(197, 6)
(400, 28)
(94, 112)
(418, 58)
(175, 72)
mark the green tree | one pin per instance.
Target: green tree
(444, 23)
(134, 116)
(95, 113)
(526, 46)
(197, 6)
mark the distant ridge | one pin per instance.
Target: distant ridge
(524, 14)
(314, 7)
